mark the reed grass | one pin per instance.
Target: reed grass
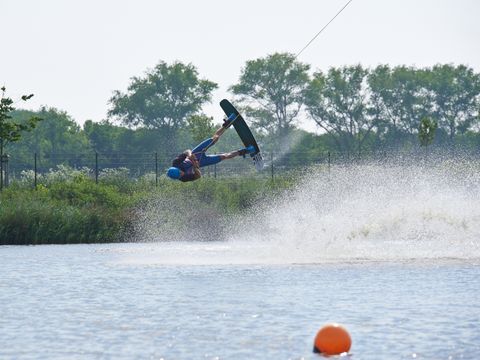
(77, 210)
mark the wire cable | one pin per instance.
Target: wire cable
(338, 13)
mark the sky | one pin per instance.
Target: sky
(73, 54)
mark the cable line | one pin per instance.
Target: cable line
(338, 13)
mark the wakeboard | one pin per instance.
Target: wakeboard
(243, 132)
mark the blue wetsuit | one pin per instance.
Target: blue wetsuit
(203, 159)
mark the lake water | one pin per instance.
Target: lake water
(392, 253)
(105, 301)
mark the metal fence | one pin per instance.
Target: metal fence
(154, 165)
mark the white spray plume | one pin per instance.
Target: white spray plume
(370, 212)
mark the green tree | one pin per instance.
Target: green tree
(310, 149)
(456, 93)
(399, 100)
(11, 131)
(65, 136)
(58, 139)
(201, 127)
(271, 90)
(164, 98)
(103, 136)
(426, 131)
(337, 102)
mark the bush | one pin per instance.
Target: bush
(86, 193)
(69, 207)
(32, 220)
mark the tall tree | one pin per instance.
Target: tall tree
(201, 127)
(399, 99)
(63, 133)
(163, 98)
(103, 136)
(337, 102)
(10, 130)
(456, 92)
(271, 89)
(57, 139)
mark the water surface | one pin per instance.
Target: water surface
(104, 301)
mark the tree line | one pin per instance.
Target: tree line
(356, 109)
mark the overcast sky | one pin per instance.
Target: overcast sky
(73, 54)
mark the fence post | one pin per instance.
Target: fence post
(96, 167)
(6, 171)
(35, 172)
(271, 165)
(1, 172)
(156, 169)
(329, 161)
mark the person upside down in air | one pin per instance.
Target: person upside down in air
(186, 166)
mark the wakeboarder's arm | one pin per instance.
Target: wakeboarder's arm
(192, 158)
(196, 173)
(196, 168)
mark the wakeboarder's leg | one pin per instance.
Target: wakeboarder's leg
(231, 155)
(207, 160)
(242, 152)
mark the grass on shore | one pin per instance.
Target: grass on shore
(77, 210)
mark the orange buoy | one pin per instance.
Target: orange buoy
(332, 339)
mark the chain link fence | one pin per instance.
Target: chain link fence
(152, 166)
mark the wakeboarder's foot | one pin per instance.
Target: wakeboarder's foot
(248, 150)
